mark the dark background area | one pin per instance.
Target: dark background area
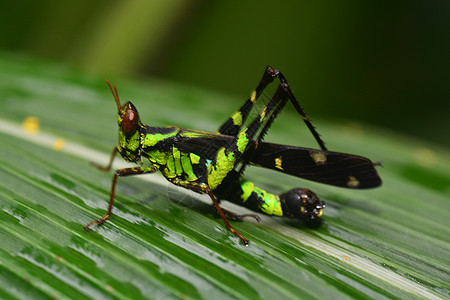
(380, 62)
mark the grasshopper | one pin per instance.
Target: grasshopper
(213, 163)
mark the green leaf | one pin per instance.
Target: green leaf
(162, 242)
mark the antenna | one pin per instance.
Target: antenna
(115, 94)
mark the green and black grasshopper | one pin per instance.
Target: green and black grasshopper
(213, 163)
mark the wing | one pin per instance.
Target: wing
(201, 143)
(333, 168)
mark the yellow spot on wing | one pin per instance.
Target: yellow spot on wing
(31, 125)
(319, 157)
(352, 182)
(278, 162)
(59, 144)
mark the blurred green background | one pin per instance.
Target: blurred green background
(380, 62)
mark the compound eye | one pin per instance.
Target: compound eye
(129, 122)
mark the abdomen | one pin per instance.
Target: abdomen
(245, 193)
